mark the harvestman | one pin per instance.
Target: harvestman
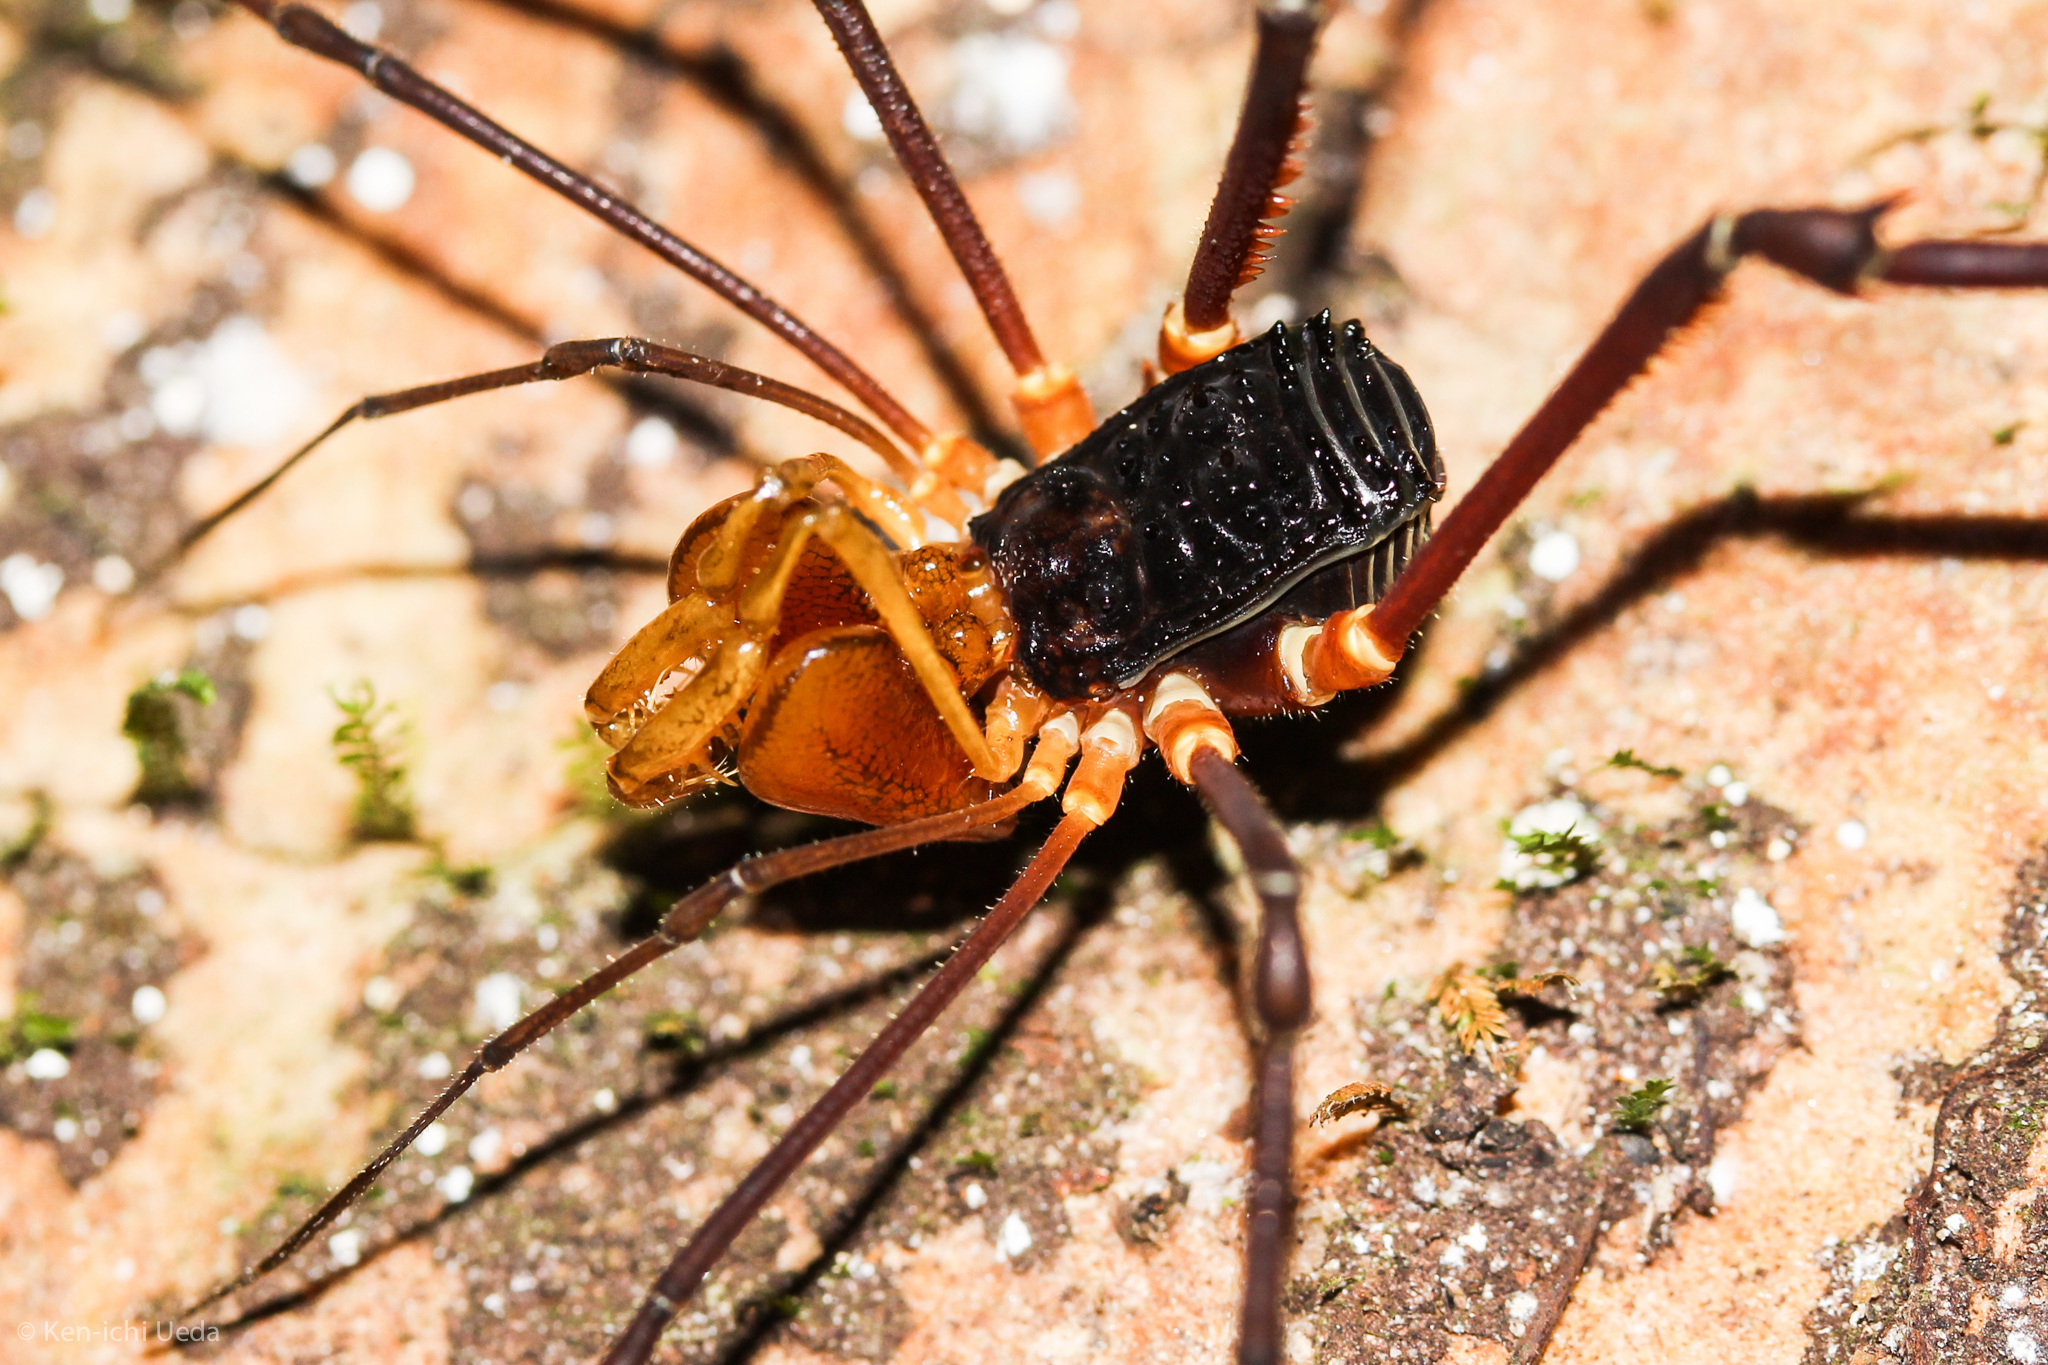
(1085, 613)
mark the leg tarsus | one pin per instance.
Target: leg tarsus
(1835, 248)
(685, 921)
(564, 360)
(716, 1233)
(309, 29)
(1280, 998)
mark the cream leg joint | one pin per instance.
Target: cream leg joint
(1181, 719)
(1109, 749)
(1345, 654)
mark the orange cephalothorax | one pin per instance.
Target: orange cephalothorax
(802, 649)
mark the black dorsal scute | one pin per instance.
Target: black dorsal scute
(1205, 501)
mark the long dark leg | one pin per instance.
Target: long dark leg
(687, 919)
(728, 80)
(1245, 196)
(1048, 398)
(565, 361)
(853, 28)
(1235, 238)
(1280, 1000)
(731, 1217)
(1836, 248)
(308, 29)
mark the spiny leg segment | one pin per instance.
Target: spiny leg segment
(1198, 326)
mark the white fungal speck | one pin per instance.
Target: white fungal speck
(1719, 776)
(179, 404)
(147, 1004)
(31, 586)
(433, 1067)
(432, 1141)
(486, 1146)
(1852, 835)
(311, 166)
(380, 179)
(1014, 1239)
(1454, 1257)
(859, 118)
(1011, 89)
(651, 444)
(381, 995)
(2012, 1296)
(251, 622)
(1473, 1238)
(238, 387)
(254, 394)
(64, 1129)
(47, 1064)
(346, 1246)
(363, 20)
(1869, 1261)
(1756, 922)
(112, 574)
(605, 1101)
(2021, 1346)
(1722, 1176)
(1555, 556)
(1522, 1307)
(1050, 199)
(498, 998)
(35, 213)
(974, 1196)
(456, 1185)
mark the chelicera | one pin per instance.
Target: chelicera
(1250, 537)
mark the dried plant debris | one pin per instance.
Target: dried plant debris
(557, 1192)
(1960, 1273)
(1469, 1004)
(1470, 1219)
(98, 944)
(1357, 1097)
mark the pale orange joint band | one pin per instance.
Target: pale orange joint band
(1182, 720)
(1180, 349)
(1346, 654)
(1058, 739)
(1109, 749)
(1053, 408)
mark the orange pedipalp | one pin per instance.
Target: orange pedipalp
(840, 726)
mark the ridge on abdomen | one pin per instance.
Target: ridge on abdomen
(1203, 502)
